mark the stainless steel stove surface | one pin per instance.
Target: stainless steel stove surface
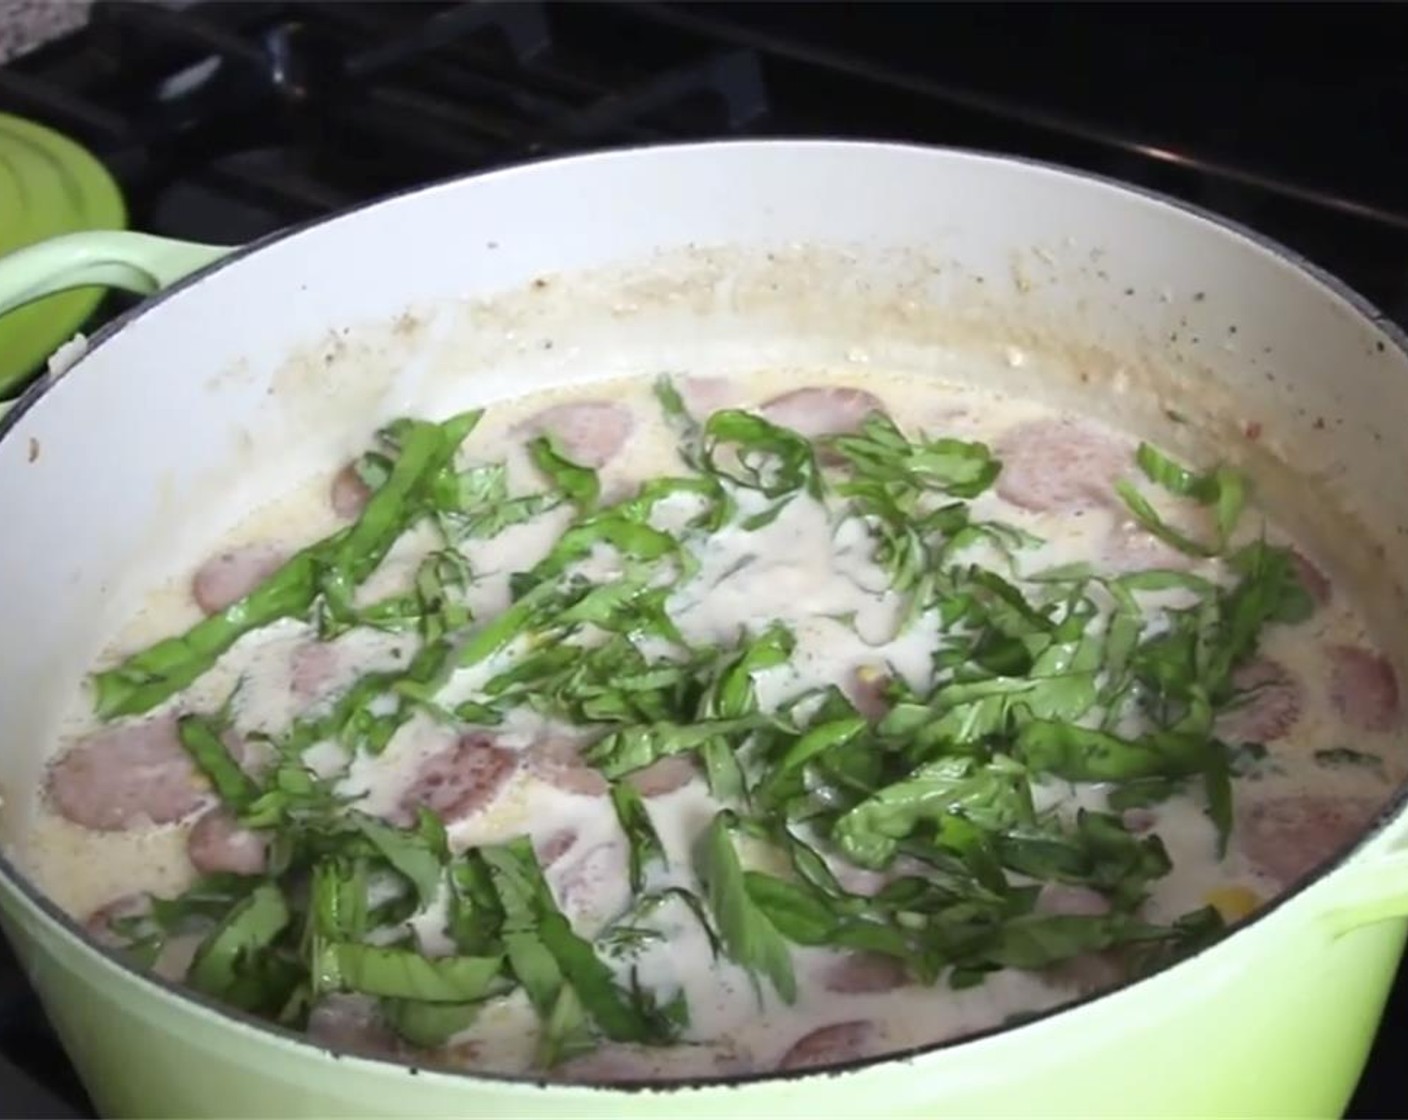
(227, 121)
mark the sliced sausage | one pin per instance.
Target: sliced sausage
(605, 1065)
(99, 924)
(822, 410)
(1061, 465)
(617, 1063)
(864, 973)
(348, 494)
(460, 780)
(1285, 837)
(1269, 708)
(462, 1055)
(350, 1024)
(555, 846)
(867, 688)
(858, 880)
(590, 433)
(175, 952)
(217, 843)
(664, 775)
(1061, 898)
(594, 882)
(255, 756)
(825, 1046)
(1087, 973)
(704, 396)
(312, 670)
(557, 760)
(127, 777)
(1316, 583)
(227, 577)
(1363, 688)
(1130, 547)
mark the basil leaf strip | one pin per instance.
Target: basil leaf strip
(749, 936)
(341, 562)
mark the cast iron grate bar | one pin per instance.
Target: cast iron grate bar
(27, 95)
(1026, 111)
(268, 183)
(474, 63)
(523, 26)
(179, 27)
(735, 77)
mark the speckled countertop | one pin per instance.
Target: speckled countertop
(25, 24)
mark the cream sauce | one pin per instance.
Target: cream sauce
(803, 569)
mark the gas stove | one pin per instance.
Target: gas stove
(224, 122)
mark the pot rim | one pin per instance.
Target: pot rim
(31, 893)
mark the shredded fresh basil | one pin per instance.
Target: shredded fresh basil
(1037, 678)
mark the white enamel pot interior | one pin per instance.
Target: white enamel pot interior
(275, 364)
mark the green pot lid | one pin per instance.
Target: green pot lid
(48, 186)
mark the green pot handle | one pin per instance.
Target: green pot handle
(134, 262)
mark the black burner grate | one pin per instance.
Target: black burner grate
(291, 110)
(284, 112)
(226, 121)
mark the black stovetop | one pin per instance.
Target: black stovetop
(226, 121)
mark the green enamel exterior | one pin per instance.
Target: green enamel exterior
(1276, 1021)
(48, 186)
